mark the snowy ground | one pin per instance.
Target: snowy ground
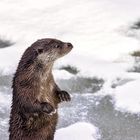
(78, 131)
(99, 72)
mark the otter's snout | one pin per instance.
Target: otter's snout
(68, 46)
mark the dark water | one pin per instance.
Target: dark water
(5, 43)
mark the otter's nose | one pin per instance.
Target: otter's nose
(69, 45)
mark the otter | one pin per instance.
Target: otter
(35, 94)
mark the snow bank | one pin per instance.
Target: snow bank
(127, 97)
(78, 131)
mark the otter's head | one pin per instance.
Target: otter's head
(48, 50)
(44, 51)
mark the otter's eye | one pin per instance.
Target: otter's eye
(40, 51)
(57, 46)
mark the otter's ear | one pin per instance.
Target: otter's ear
(39, 50)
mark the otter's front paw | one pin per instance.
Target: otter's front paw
(64, 96)
(47, 108)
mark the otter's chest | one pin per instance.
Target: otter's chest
(46, 91)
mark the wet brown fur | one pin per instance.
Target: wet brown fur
(35, 93)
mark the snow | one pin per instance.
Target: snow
(60, 74)
(78, 131)
(127, 97)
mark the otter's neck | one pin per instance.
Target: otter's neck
(45, 72)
